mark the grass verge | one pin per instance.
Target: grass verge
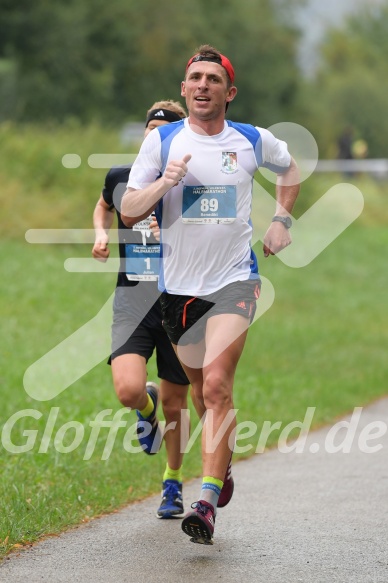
(322, 345)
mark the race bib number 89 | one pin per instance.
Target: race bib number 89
(209, 204)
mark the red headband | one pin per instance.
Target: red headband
(223, 61)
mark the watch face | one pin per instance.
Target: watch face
(285, 220)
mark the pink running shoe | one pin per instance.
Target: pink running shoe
(199, 524)
(227, 488)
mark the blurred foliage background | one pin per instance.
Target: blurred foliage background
(72, 76)
(99, 62)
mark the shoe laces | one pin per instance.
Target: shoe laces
(171, 491)
(201, 508)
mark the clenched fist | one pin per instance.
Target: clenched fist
(176, 170)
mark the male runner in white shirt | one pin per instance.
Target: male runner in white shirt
(197, 174)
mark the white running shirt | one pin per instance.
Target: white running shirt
(205, 220)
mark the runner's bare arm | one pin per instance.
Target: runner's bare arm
(287, 189)
(138, 204)
(103, 217)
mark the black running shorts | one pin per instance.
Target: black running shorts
(180, 313)
(137, 329)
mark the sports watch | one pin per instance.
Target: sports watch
(287, 222)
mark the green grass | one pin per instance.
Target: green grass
(43, 493)
(322, 344)
(37, 190)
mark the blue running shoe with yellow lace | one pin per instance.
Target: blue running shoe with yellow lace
(172, 502)
(148, 429)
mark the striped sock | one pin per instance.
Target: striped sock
(148, 409)
(211, 490)
(170, 474)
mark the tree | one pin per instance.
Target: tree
(351, 85)
(63, 58)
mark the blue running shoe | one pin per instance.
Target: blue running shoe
(148, 429)
(199, 524)
(172, 501)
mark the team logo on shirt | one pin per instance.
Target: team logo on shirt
(229, 162)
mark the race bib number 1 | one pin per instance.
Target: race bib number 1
(209, 204)
(142, 262)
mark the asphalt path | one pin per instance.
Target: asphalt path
(315, 516)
